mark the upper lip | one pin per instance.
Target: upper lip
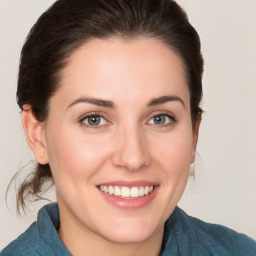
(123, 183)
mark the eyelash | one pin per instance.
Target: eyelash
(165, 114)
(82, 120)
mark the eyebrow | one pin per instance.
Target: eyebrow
(110, 104)
(164, 99)
(94, 101)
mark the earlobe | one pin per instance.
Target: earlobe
(35, 134)
(193, 156)
(195, 136)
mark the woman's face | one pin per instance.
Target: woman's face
(121, 123)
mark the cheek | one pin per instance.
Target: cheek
(75, 161)
(176, 149)
(74, 156)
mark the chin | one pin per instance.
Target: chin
(132, 231)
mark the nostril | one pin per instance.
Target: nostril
(131, 158)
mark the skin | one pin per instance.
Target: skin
(127, 145)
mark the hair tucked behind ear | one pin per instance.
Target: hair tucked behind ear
(67, 24)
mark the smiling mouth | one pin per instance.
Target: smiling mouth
(126, 192)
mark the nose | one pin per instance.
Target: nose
(131, 151)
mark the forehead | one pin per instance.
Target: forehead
(124, 69)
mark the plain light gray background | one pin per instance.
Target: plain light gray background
(224, 190)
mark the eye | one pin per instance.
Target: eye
(93, 120)
(162, 119)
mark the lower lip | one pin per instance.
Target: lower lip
(133, 203)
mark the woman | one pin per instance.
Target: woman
(110, 95)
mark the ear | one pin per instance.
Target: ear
(35, 134)
(195, 136)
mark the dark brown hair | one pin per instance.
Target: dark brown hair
(67, 24)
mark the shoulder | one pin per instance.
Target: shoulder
(223, 238)
(41, 238)
(25, 244)
(210, 239)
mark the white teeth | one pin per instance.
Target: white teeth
(134, 192)
(126, 192)
(117, 191)
(146, 190)
(141, 191)
(110, 190)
